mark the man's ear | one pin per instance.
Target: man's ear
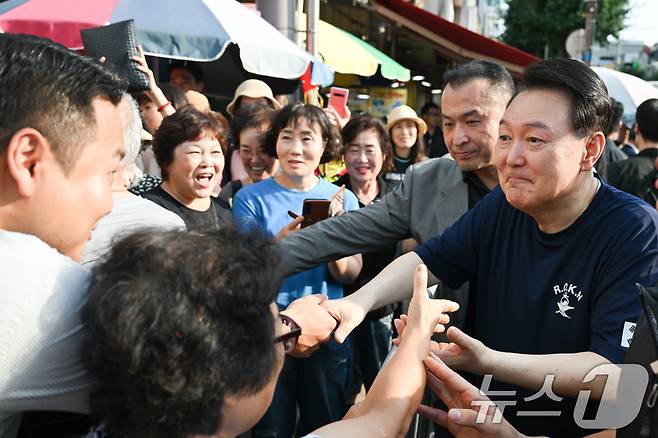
(593, 150)
(26, 149)
(636, 129)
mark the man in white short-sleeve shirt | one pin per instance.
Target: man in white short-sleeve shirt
(60, 141)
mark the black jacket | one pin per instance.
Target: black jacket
(635, 175)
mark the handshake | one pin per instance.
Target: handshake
(320, 318)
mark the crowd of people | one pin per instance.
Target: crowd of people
(158, 279)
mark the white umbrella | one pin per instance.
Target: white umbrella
(627, 89)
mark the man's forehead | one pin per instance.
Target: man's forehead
(538, 108)
(472, 87)
(474, 95)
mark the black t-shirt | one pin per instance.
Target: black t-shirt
(476, 191)
(539, 293)
(217, 216)
(636, 174)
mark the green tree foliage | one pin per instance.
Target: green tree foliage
(542, 26)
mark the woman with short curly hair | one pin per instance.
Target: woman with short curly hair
(191, 160)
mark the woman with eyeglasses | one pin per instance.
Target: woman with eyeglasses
(302, 137)
(248, 130)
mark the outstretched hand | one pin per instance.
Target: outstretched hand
(424, 312)
(349, 314)
(471, 413)
(464, 352)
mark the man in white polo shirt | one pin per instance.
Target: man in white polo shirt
(60, 141)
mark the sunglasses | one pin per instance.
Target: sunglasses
(289, 339)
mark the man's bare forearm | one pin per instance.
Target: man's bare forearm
(391, 285)
(530, 371)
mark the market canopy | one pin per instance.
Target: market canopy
(452, 40)
(347, 54)
(196, 30)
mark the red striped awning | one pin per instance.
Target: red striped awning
(450, 39)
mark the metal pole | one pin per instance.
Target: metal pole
(280, 14)
(312, 20)
(590, 29)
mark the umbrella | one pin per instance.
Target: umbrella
(346, 53)
(627, 89)
(196, 30)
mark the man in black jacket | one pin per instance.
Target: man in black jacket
(636, 175)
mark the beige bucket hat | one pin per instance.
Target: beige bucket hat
(253, 88)
(403, 112)
(198, 100)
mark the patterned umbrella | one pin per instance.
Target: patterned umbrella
(196, 30)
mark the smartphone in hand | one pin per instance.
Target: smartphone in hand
(315, 210)
(338, 100)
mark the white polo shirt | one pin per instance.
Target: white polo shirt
(42, 294)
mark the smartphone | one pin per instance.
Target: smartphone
(338, 100)
(315, 210)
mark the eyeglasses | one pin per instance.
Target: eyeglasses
(289, 339)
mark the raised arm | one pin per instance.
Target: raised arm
(391, 285)
(526, 370)
(396, 392)
(154, 92)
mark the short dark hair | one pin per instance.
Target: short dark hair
(590, 102)
(646, 117)
(615, 117)
(291, 114)
(251, 117)
(177, 321)
(191, 66)
(186, 124)
(361, 123)
(427, 107)
(49, 88)
(498, 77)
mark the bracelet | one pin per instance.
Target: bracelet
(164, 106)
